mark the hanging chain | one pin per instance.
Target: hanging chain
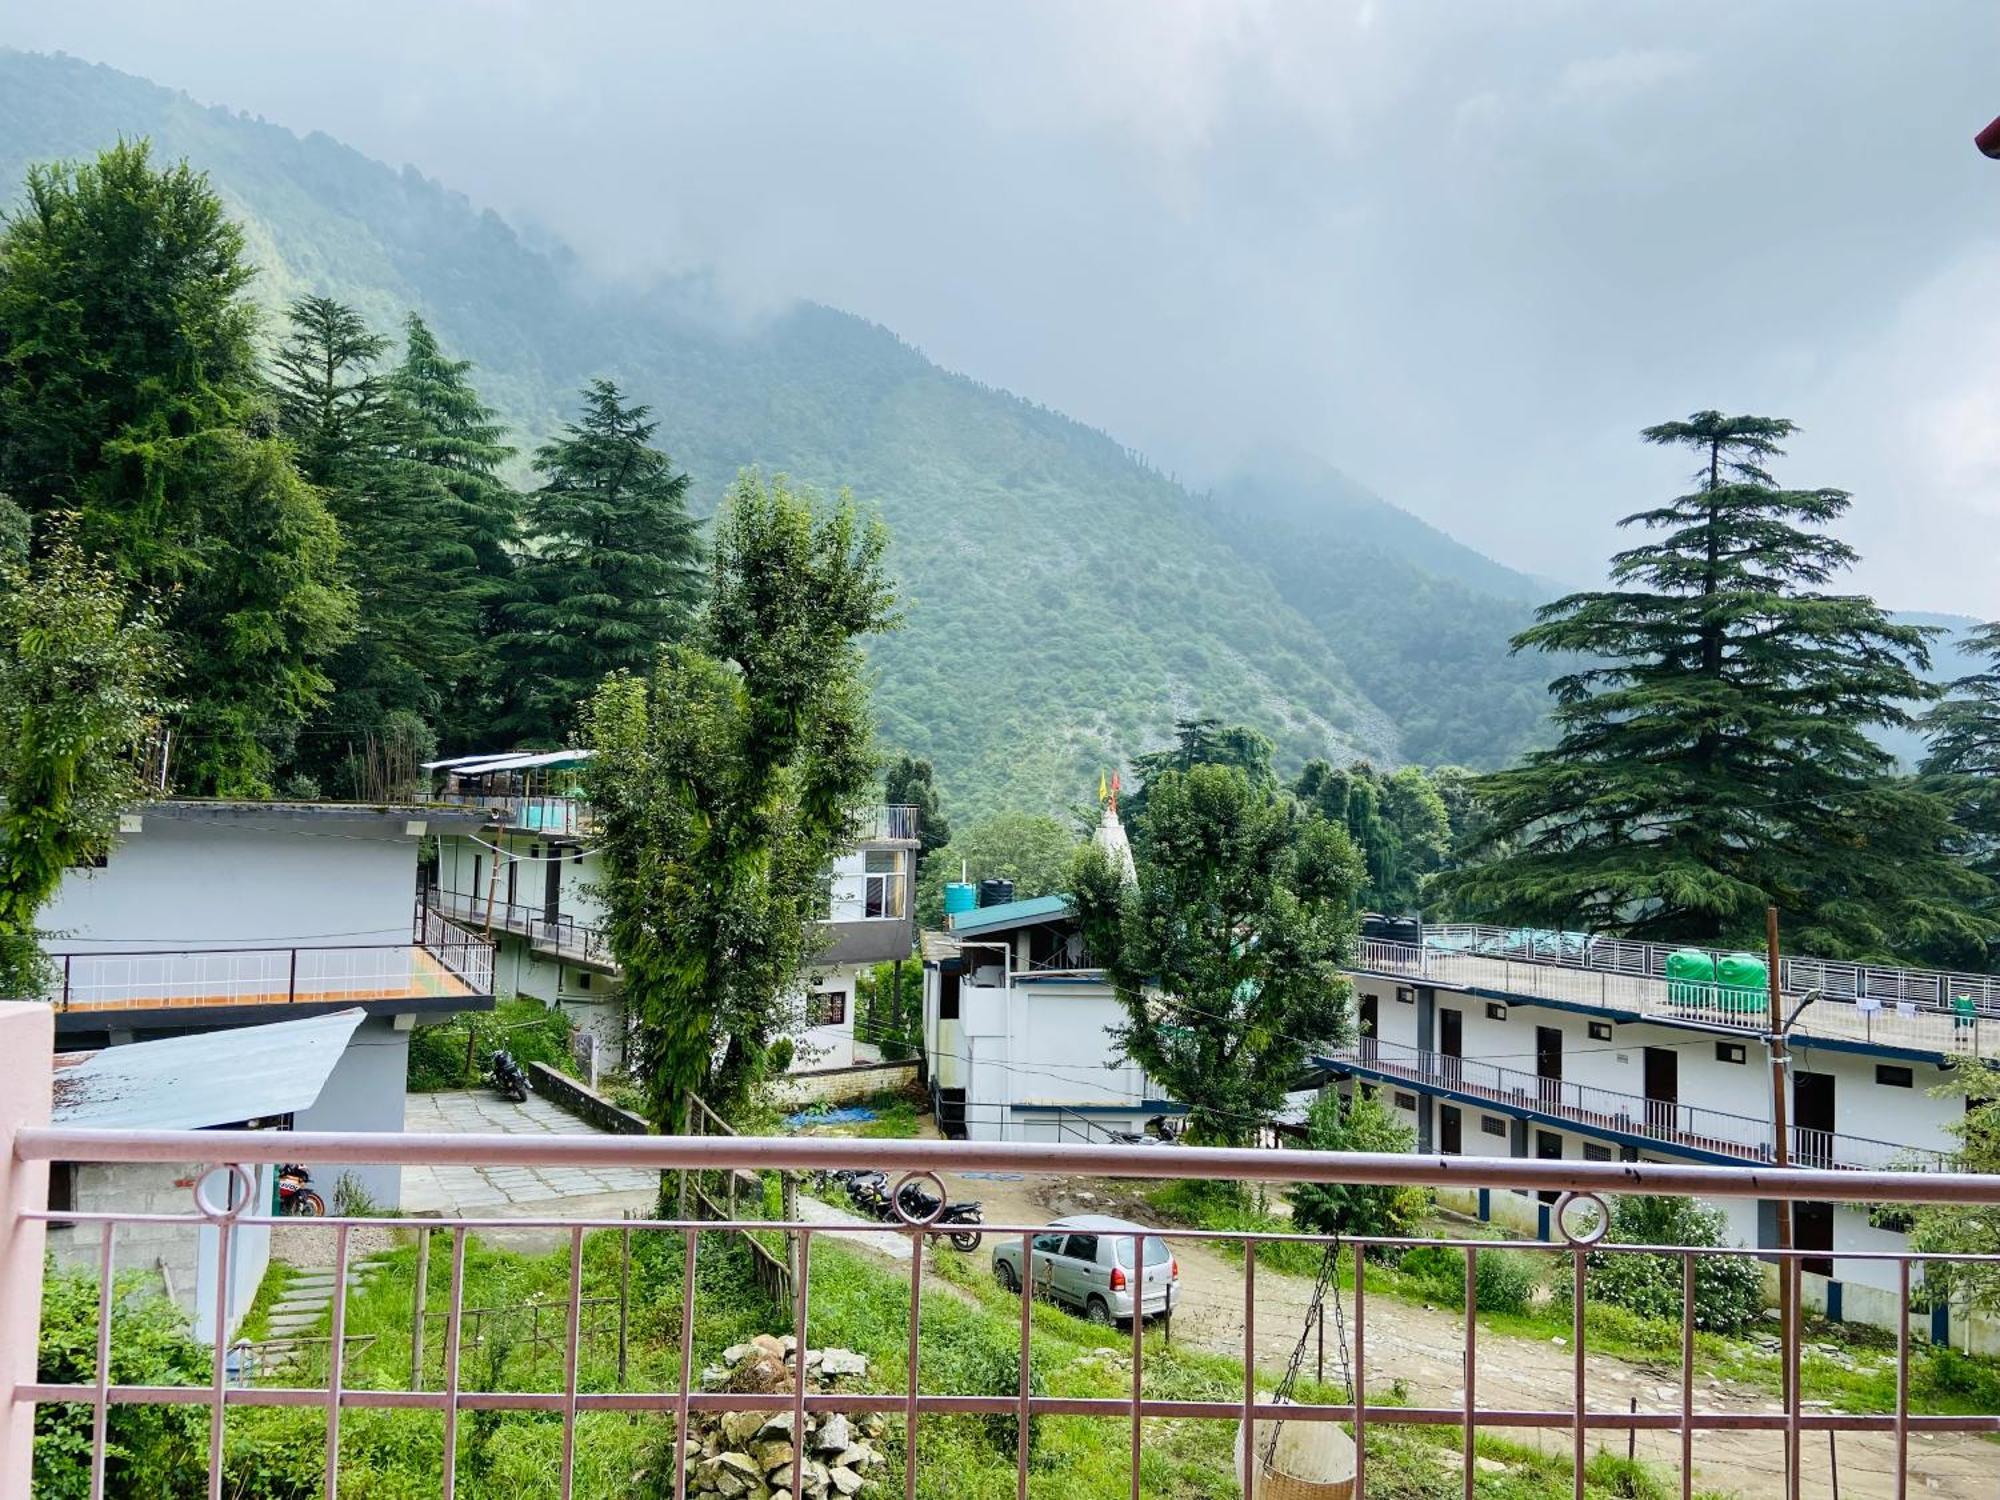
(1327, 1280)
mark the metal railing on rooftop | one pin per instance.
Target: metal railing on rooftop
(442, 959)
(1579, 1218)
(1632, 977)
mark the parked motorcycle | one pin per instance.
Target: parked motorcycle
(507, 1077)
(294, 1197)
(948, 1219)
(869, 1192)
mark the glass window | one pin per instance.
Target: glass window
(1157, 1253)
(882, 862)
(1049, 1244)
(1082, 1247)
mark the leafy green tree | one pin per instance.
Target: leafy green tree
(331, 397)
(1200, 742)
(727, 779)
(1397, 820)
(614, 571)
(79, 679)
(1966, 1228)
(129, 394)
(1227, 954)
(911, 783)
(1030, 849)
(1357, 1124)
(1963, 755)
(410, 557)
(1714, 754)
(442, 426)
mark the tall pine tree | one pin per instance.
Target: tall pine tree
(443, 426)
(129, 394)
(1962, 762)
(410, 553)
(1714, 753)
(615, 566)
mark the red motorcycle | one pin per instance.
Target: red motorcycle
(294, 1197)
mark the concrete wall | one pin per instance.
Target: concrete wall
(366, 1091)
(241, 880)
(179, 1259)
(840, 1085)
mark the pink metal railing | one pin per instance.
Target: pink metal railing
(1580, 1217)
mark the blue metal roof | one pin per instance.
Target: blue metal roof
(1009, 914)
(211, 1078)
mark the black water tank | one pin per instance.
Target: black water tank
(995, 892)
(1375, 925)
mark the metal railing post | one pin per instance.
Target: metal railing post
(292, 980)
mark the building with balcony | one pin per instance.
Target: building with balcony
(526, 870)
(1502, 1043)
(214, 915)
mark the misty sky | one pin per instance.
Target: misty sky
(1463, 251)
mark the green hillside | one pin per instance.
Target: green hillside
(1423, 621)
(1064, 601)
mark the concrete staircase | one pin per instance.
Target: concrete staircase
(302, 1308)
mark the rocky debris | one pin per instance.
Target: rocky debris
(754, 1455)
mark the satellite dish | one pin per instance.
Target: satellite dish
(1988, 141)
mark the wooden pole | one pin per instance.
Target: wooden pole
(417, 1310)
(1782, 1158)
(624, 1293)
(493, 886)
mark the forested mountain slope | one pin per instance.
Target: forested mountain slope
(1064, 601)
(1423, 621)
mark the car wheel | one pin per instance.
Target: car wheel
(1004, 1274)
(1097, 1310)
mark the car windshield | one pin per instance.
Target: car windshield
(1156, 1251)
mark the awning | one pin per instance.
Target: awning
(215, 1078)
(484, 765)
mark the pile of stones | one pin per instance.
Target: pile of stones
(751, 1455)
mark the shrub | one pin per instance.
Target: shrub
(974, 1359)
(1728, 1289)
(1358, 1124)
(532, 1031)
(1506, 1279)
(152, 1452)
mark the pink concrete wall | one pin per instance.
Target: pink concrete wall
(27, 1041)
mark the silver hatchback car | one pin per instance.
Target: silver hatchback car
(1085, 1262)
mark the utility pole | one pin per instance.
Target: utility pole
(1782, 1158)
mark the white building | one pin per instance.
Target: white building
(1016, 1031)
(1496, 1042)
(530, 872)
(208, 915)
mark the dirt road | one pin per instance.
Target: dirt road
(1424, 1348)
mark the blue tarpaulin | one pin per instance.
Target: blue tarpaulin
(851, 1115)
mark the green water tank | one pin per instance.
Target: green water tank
(1690, 977)
(960, 896)
(1745, 982)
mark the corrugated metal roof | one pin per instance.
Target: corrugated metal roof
(1009, 914)
(484, 765)
(214, 1078)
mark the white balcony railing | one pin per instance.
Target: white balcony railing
(1671, 1124)
(444, 959)
(1922, 1009)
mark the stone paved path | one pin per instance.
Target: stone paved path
(512, 1191)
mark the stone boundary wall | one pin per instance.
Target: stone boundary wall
(567, 1094)
(839, 1085)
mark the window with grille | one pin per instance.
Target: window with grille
(826, 1008)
